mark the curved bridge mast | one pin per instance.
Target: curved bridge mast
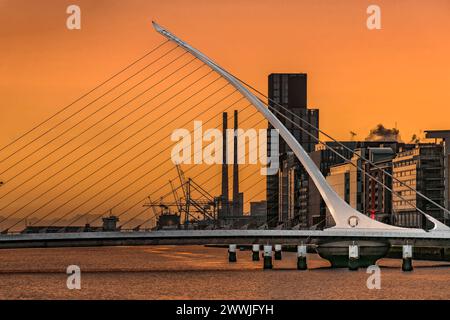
(345, 216)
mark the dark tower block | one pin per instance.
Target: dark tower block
(290, 91)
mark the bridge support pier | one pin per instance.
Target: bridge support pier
(301, 257)
(278, 252)
(232, 253)
(268, 257)
(255, 252)
(407, 258)
(353, 257)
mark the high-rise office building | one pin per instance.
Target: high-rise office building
(290, 91)
(421, 168)
(444, 136)
(366, 194)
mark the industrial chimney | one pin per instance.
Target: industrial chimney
(225, 200)
(236, 197)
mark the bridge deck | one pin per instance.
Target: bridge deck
(201, 237)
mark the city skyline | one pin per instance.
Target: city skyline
(181, 149)
(49, 66)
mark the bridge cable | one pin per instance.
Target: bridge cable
(128, 138)
(350, 162)
(134, 133)
(145, 174)
(84, 95)
(163, 175)
(112, 137)
(98, 134)
(346, 160)
(245, 190)
(135, 157)
(217, 127)
(77, 218)
(140, 201)
(193, 178)
(210, 178)
(96, 123)
(345, 147)
(75, 113)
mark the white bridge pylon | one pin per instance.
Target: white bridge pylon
(345, 216)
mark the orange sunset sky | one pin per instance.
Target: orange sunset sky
(397, 76)
(357, 77)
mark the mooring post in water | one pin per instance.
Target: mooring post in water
(255, 252)
(232, 253)
(278, 252)
(301, 257)
(407, 257)
(353, 256)
(268, 257)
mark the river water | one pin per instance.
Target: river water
(197, 272)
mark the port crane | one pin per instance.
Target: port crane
(190, 201)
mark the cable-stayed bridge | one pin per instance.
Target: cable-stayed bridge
(88, 162)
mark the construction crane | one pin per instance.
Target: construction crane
(194, 203)
(202, 205)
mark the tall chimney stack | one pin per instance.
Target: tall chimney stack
(225, 199)
(235, 168)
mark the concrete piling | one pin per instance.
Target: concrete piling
(232, 253)
(255, 252)
(407, 258)
(301, 257)
(353, 257)
(268, 257)
(278, 252)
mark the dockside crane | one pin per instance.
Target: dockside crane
(195, 203)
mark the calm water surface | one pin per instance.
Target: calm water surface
(196, 272)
